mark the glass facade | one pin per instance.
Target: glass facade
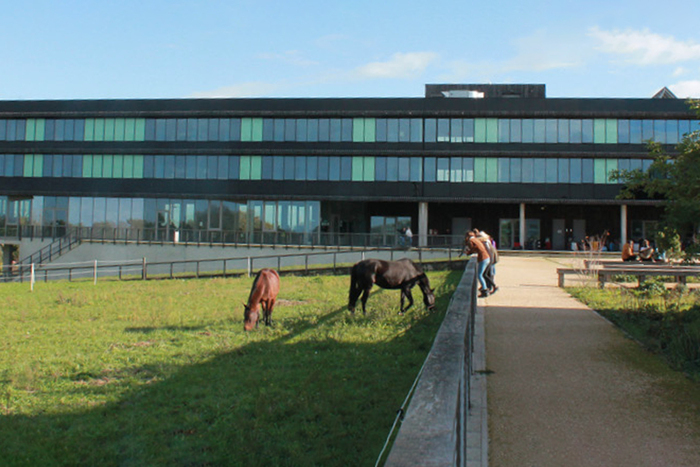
(351, 130)
(321, 168)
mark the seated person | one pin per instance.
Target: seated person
(628, 252)
(646, 252)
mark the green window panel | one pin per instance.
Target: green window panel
(358, 130)
(118, 170)
(108, 166)
(29, 130)
(128, 167)
(28, 165)
(129, 129)
(256, 166)
(479, 130)
(370, 130)
(479, 169)
(87, 166)
(97, 166)
(99, 129)
(611, 131)
(368, 170)
(109, 129)
(599, 131)
(599, 171)
(257, 129)
(610, 165)
(119, 129)
(140, 129)
(40, 129)
(244, 169)
(357, 168)
(491, 170)
(34, 129)
(246, 129)
(492, 130)
(38, 165)
(138, 166)
(89, 129)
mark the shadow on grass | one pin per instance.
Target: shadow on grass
(152, 329)
(296, 400)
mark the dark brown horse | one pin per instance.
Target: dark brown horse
(402, 274)
(264, 292)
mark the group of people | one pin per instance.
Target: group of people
(484, 246)
(644, 252)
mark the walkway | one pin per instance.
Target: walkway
(568, 389)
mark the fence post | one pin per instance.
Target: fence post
(31, 277)
(94, 273)
(334, 257)
(306, 264)
(144, 275)
(279, 263)
(250, 266)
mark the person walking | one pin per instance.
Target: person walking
(490, 273)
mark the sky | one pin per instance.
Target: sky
(106, 49)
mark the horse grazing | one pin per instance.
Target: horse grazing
(402, 274)
(264, 292)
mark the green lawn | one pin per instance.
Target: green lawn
(162, 373)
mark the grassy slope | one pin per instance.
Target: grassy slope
(161, 373)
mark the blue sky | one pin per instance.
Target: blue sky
(72, 49)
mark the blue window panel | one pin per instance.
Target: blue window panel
(69, 130)
(660, 131)
(456, 170)
(148, 166)
(301, 129)
(267, 168)
(539, 170)
(416, 130)
(623, 165)
(323, 167)
(647, 130)
(289, 168)
(202, 167)
(443, 169)
(563, 130)
(623, 131)
(430, 130)
(416, 173)
(586, 170)
(346, 130)
(672, 132)
(380, 169)
(290, 129)
(300, 168)
(392, 130)
(214, 128)
(456, 130)
(234, 167)
(563, 171)
(540, 131)
(235, 129)
(222, 173)
(170, 166)
(278, 167)
(324, 130)
(278, 129)
(346, 168)
(516, 170)
(429, 169)
(312, 130)
(392, 169)
(3, 131)
(635, 164)
(528, 130)
(683, 128)
(443, 130)
(528, 170)
(635, 131)
(47, 169)
(575, 131)
(181, 131)
(587, 131)
(503, 170)
(268, 129)
(503, 130)
(468, 130)
(312, 168)
(170, 129)
(335, 129)
(150, 132)
(190, 167)
(552, 171)
(181, 167)
(551, 132)
(516, 130)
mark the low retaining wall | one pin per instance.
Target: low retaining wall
(435, 429)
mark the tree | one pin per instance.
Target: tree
(674, 178)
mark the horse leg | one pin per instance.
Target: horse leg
(268, 314)
(365, 296)
(355, 291)
(406, 293)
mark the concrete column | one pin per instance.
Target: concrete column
(521, 236)
(623, 224)
(422, 224)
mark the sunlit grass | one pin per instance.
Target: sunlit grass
(162, 373)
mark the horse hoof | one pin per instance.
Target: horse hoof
(400, 313)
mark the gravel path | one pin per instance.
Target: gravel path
(568, 389)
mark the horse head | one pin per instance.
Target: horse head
(250, 318)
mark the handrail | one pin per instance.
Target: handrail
(434, 431)
(53, 250)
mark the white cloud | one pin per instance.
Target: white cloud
(249, 89)
(685, 89)
(644, 47)
(401, 65)
(679, 71)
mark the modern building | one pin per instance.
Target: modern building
(532, 171)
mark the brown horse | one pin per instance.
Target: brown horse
(264, 292)
(402, 274)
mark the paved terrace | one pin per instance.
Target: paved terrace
(569, 389)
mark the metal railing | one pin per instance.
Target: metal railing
(333, 261)
(434, 430)
(53, 250)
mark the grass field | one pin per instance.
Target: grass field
(162, 373)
